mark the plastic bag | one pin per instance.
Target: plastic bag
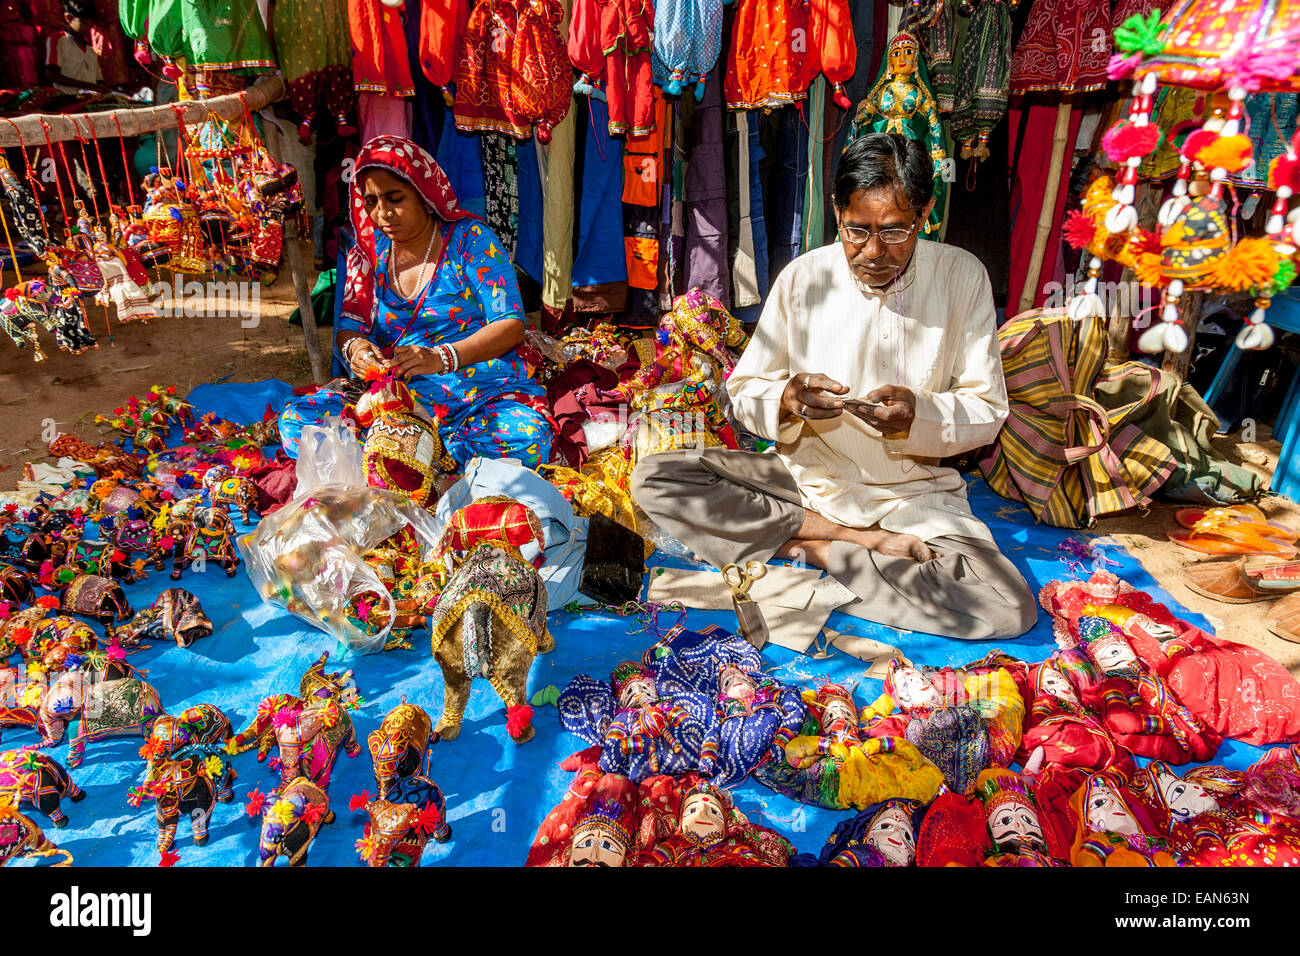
(306, 557)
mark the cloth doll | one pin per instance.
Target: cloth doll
(1212, 822)
(1111, 827)
(26, 211)
(755, 714)
(62, 300)
(1067, 731)
(640, 729)
(963, 719)
(1273, 782)
(1017, 835)
(706, 829)
(598, 823)
(19, 317)
(1234, 690)
(900, 102)
(834, 764)
(881, 835)
(983, 75)
(1137, 707)
(121, 283)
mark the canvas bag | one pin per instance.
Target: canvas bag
(1069, 459)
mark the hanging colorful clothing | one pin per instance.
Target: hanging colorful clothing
(379, 58)
(610, 42)
(687, 41)
(984, 71)
(315, 52)
(483, 71)
(442, 26)
(767, 54)
(1065, 46)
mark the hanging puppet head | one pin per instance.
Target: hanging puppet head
(902, 55)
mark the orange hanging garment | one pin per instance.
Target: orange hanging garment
(442, 27)
(768, 54)
(379, 60)
(540, 81)
(832, 48)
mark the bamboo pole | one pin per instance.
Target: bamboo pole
(32, 128)
(1047, 213)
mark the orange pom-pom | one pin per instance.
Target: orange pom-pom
(1147, 269)
(1227, 152)
(47, 601)
(1250, 264)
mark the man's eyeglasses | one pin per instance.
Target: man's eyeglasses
(860, 236)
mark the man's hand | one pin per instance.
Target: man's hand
(896, 411)
(812, 396)
(410, 360)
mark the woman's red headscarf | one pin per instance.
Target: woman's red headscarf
(404, 159)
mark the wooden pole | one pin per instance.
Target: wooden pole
(1047, 213)
(298, 272)
(62, 126)
(1121, 319)
(1177, 363)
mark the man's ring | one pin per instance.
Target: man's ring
(803, 410)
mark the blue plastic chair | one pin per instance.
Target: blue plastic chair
(1284, 315)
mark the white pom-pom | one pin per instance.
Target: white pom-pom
(394, 4)
(1121, 218)
(1169, 313)
(1255, 338)
(1274, 224)
(1153, 339)
(1175, 287)
(1175, 339)
(1085, 306)
(1148, 84)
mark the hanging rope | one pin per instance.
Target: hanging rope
(126, 165)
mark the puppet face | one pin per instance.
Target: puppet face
(1058, 685)
(914, 690)
(840, 713)
(891, 834)
(597, 846)
(735, 684)
(1114, 656)
(1107, 813)
(1184, 798)
(1014, 825)
(902, 59)
(637, 693)
(703, 819)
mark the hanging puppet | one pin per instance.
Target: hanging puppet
(900, 102)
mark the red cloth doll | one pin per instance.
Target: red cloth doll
(1235, 690)
(1069, 733)
(1113, 828)
(1137, 707)
(597, 822)
(609, 42)
(1211, 821)
(379, 59)
(703, 828)
(540, 75)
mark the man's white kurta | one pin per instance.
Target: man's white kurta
(934, 331)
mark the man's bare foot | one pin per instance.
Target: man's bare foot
(894, 544)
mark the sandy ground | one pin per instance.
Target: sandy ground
(186, 352)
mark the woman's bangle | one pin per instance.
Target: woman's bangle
(455, 357)
(350, 346)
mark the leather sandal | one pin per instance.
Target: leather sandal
(1284, 619)
(1225, 581)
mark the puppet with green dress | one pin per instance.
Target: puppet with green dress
(900, 101)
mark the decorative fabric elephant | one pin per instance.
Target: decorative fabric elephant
(99, 709)
(21, 836)
(291, 818)
(400, 828)
(224, 488)
(136, 536)
(208, 536)
(31, 777)
(398, 747)
(490, 622)
(200, 724)
(175, 614)
(56, 640)
(188, 781)
(16, 585)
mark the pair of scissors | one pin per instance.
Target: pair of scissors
(740, 579)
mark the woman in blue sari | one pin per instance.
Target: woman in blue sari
(431, 296)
